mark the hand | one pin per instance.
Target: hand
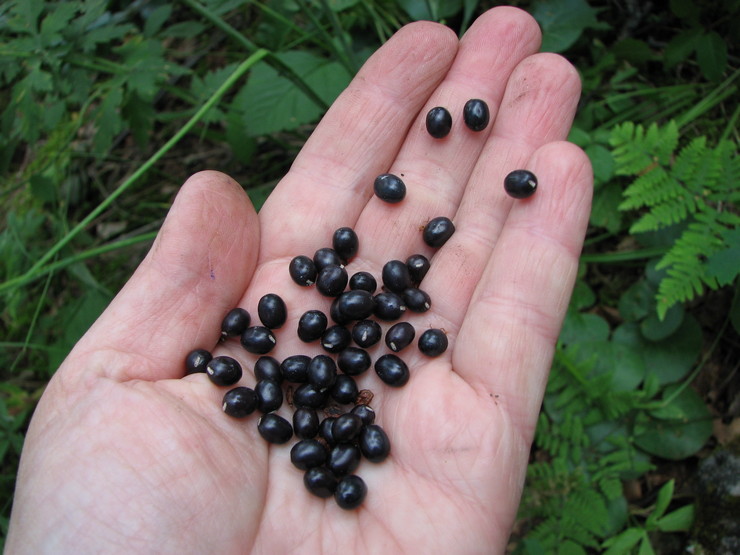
(124, 454)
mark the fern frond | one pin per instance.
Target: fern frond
(635, 149)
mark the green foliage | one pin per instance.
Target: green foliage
(698, 186)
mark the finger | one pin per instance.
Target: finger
(331, 180)
(196, 270)
(538, 107)
(436, 171)
(505, 345)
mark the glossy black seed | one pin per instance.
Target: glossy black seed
(325, 429)
(390, 188)
(239, 402)
(308, 453)
(353, 361)
(295, 368)
(332, 280)
(476, 114)
(258, 340)
(336, 339)
(311, 325)
(439, 122)
(365, 412)
(345, 243)
(356, 305)
(320, 481)
(350, 492)
(418, 266)
(392, 370)
(520, 184)
(309, 396)
(197, 360)
(274, 428)
(272, 311)
(363, 281)
(305, 423)
(366, 333)
(235, 322)
(337, 316)
(325, 257)
(344, 390)
(224, 370)
(399, 336)
(374, 443)
(269, 395)
(417, 300)
(322, 371)
(396, 276)
(433, 342)
(346, 427)
(302, 270)
(268, 368)
(438, 231)
(389, 306)
(344, 458)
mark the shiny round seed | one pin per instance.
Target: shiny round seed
(476, 114)
(395, 276)
(399, 336)
(309, 396)
(364, 281)
(305, 423)
(439, 122)
(311, 325)
(326, 256)
(239, 402)
(197, 360)
(336, 338)
(346, 427)
(374, 443)
(344, 458)
(344, 390)
(392, 370)
(224, 370)
(322, 372)
(416, 300)
(365, 412)
(303, 270)
(390, 188)
(295, 368)
(366, 333)
(332, 280)
(389, 306)
(268, 368)
(235, 322)
(418, 266)
(345, 243)
(438, 231)
(308, 453)
(353, 361)
(320, 481)
(274, 428)
(350, 492)
(272, 311)
(258, 340)
(356, 305)
(269, 395)
(520, 184)
(433, 342)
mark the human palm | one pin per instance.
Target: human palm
(125, 454)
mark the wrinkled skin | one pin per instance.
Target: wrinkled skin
(125, 455)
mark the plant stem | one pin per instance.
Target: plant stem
(618, 257)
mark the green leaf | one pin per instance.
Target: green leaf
(634, 51)
(601, 161)
(140, 116)
(562, 22)
(579, 327)
(679, 520)
(624, 542)
(624, 365)
(711, 53)
(154, 19)
(271, 103)
(665, 494)
(657, 329)
(183, 29)
(430, 10)
(646, 548)
(108, 121)
(605, 207)
(724, 265)
(582, 297)
(638, 301)
(680, 47)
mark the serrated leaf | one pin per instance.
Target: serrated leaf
(680, 47)
(154, 19)
(562, 22)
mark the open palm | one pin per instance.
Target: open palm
(124, 454)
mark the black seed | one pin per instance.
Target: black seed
(272, 311)
(268, 368)
(308, 453)
(344, 458)
(325, 429)
(224, 370)
(344, 390)
(392, 370)
(322, 371)
(336, 339)
(346, 427)
(332, 280)
(302, 270)
(475, 114)
(418, 266)
(390, 188)
(433, 342)
(389, 306)
(197, 360)
(520, 184)
(235, 322)
(274, 428)
(305, 423)
(295, 368)
(365, 412)
(345, 243)
(374, 443)
(417, 300)
(366, 333)
(320, 481)
(350, 492)
(399, 336)
(325, 257)
(353, 361)
(269, 395)
(258, 340)
(356, 305)
(337, 316)
(312, 325)
(239, 402)
(437, 231)
(363, 281)
(396, 276)
(439, 122)
(309, 396)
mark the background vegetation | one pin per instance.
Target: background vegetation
(106, 107)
